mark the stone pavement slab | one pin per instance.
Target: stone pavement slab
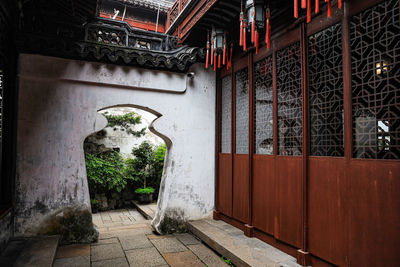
(242, 250)
(207, 256)
(80, 261)
(183, 259)
(38, 252)
(135, 241)
(105, 252)
(145, 257)
(118, 262)
(112, 240)
(168, 245)
(187, 239)
(73, 251)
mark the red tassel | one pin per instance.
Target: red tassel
(308, 11)
(268, 30)
(215, 61)
(253, 29)
(219, 61)
(340, 3)
(303, 4)
(224, 57)
(316, 6)
(241, 33)
(329, 8)
(207, 58)
(230, 58)
(257, 39)
(296, 8)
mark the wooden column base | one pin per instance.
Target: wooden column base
(216, 215)
(303, 258)
(249, 230)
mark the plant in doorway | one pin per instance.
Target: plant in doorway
(145, 195)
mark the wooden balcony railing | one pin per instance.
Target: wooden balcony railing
(174, 11)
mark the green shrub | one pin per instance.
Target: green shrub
(147, 190)
(105, 172)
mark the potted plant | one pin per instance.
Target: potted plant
(95, 205)
(145, 195)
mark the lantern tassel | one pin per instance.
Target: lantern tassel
(329, 8)
(303, 4)
(308, 11)
(340, 3)
(268, 30)
(215, 61)
(253, 29)
(296, 9)
(244, 38)
(219, 61)
(316, 6)
(241, 24)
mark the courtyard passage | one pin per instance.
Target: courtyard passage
(126, 239)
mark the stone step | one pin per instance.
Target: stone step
(32, 252)
(231, 243)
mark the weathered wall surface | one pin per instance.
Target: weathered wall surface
(58, 105)
(6, 229)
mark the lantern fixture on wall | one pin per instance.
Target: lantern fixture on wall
(218, 47)
(254, 18)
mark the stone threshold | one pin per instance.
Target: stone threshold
(231, 243)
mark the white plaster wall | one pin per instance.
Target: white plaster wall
(58, 104)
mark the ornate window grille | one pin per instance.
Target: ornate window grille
(242, 111)
(375, 56)
(226, 115)
(263, 101)
(290, 132)
(326, 92)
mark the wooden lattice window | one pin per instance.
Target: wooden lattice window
(375, 56)
(289, 99)
(326, 92)
(242, 111)
(226, 115)
(263, 101)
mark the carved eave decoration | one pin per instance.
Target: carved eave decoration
(111, 41)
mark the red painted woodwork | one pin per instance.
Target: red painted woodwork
(144, 25)
(264, 197)
(374, 212)
(241, 187)
(224, 193)
(288, 222)
(326, 208)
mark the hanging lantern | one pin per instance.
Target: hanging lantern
(218, 47)
(255, 11)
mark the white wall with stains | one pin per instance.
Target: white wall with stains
(59, 100)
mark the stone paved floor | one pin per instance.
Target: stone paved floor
(127, 239)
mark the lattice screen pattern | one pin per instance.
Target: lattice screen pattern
(263, 101)
(289, 98)
(375, 56)
(326, 92)
(226, 115)
(242, 111)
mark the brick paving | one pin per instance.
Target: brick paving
(126, 239)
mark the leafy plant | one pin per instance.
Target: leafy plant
(227, 261)
(126, 121)
(139, 167)
(105, 172)
(95, 202)
(146, 190)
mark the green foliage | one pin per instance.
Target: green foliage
(146, 190)
(94, 202)
(105, 172)
(139, 167)
(126, 121)
(227, 261)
